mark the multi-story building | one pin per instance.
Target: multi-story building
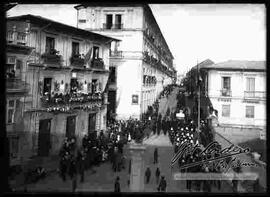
(141, 64)
(237, 90)
(17, 54)
(67, 70)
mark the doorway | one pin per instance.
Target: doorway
(44, 137)
(71, 126)
(91, 123)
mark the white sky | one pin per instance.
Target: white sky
(194, 32)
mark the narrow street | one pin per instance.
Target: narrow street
(103, 178)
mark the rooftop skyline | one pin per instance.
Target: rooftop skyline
(193, 33)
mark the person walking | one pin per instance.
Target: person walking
(157, 174)
(117, 185)
(129, 167)
(147, 175)
(81, 164)
(73, 173)
(162, 185)
(156, 156)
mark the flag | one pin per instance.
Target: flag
(88, 56)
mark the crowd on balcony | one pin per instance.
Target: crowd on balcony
(11, 74)
(68, 98)
(156, 63)
(149, 80)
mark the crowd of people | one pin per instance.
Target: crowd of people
(186, 130)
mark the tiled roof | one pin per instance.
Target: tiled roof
(238, 65)
(60, 26)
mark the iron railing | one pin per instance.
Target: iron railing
(112, 26)
(16, 37)
(255, 94)
(226, 92)
(116, 54)
(97, 63)
(77, 61)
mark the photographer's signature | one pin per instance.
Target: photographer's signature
(212, 156)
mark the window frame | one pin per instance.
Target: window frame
(223, 82)
(11, 108)
(96, 55)
(222, 111)
(46, 46)
(248, 84)
(116, 22)
(77, 51)
(107, 24)
(253, 111)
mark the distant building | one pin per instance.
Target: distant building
(180, 77)
(58, 87)
(141, 64)
(237, 90)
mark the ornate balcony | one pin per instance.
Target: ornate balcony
(16, 85)
(14, 37)
(70, 99)
(226, 92)
(254, 94)
(77, 61)
(52, 57)
(97, 63)
(118, 54)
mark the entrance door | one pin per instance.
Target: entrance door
(91, 123)
(112, 101)
(44, 137)
(71, 126)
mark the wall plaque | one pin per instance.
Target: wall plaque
(135, 99)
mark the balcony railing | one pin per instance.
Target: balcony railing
(118, 54)
(97, 63)
(255, 94)
(112, 26)
(16, 85)
(149, 80)
(16, 37)
(118, 26)
(51, 57)
(226, 92)
(77, 60)
(49, 100)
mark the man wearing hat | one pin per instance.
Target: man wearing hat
(147, 175)
(162, 185)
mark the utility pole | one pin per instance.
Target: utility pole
(198, 96)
